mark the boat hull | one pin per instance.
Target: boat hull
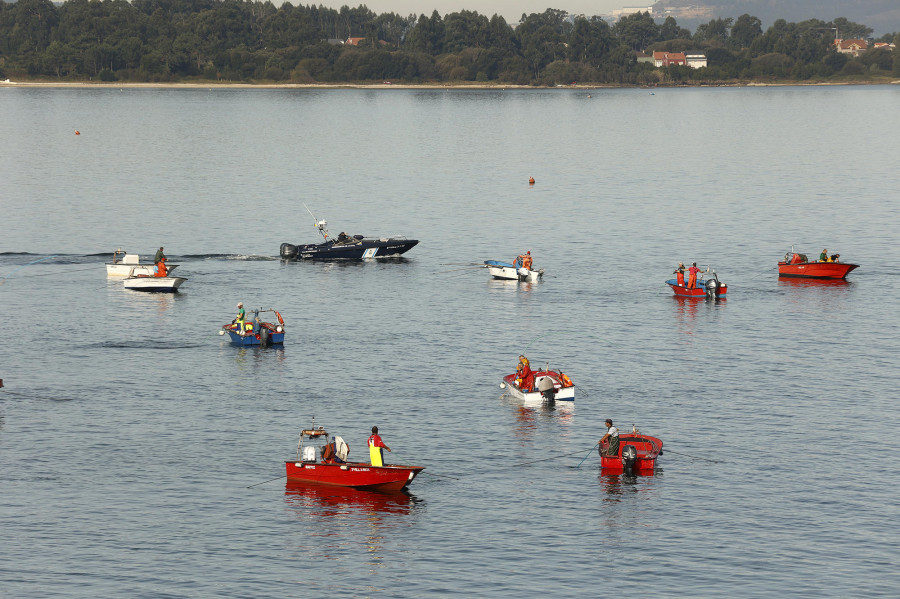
(361, 250)
(389, 478)
(648, 450)
(683, 291)
(816, 270)
(562, 393)
(253, 338)
(120, 269)
(508, 272)
(154, 284)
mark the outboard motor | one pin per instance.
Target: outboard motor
(712, 288)
(289, 251)
(629, 457)
(548, 389)
(263, 336)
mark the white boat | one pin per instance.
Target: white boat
(143, 282)
(123, 263)
(508, 272)
(563, 387)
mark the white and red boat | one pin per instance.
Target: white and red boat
(315, 465)
(563, 387)
(637, 455)
(511, 272)
(798, 266)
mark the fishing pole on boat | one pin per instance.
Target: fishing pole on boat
(267, 481)
(547, 459)
(461, 264)
(590, 451)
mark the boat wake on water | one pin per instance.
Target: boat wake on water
(148, 344)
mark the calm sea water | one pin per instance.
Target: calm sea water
(130, 431)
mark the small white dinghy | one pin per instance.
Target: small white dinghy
(557, 387)
(142, 282)
(508, 272)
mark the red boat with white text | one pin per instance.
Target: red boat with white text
(797, 265)
(637, 455)
(315, 464)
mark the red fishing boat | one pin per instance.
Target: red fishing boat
(637, 455)
(797, 265)
(325, 462)
(711, 287)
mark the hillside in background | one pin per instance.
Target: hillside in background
(881, 15)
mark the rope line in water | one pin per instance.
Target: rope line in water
(696, 457)
(268, 481)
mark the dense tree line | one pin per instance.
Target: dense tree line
(249, 40)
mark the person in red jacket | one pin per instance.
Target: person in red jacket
(525, 375)
(376, 448)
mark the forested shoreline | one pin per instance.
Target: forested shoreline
(244, 41)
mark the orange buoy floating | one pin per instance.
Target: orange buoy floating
(531, 180)
(77, 132)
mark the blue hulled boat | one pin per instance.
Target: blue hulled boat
(256, 331)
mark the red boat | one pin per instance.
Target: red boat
(797, 265)
(712, 287)
(311, 466)
(637, 455)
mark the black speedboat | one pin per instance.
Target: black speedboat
(347, 247)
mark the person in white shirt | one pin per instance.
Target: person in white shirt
(611, 438)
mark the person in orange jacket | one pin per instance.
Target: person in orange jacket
(692, 276)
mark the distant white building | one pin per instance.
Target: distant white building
(695, 60)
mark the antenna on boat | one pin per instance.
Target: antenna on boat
(320, 224)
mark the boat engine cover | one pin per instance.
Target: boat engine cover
(629, 457)
(288, 251)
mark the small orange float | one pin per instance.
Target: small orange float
(531, 180)
(77, 132)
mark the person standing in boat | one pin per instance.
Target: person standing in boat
(611, 438)
(376, 447)
(160, 260)
(679, 274)
(239, 319)
(692, 276)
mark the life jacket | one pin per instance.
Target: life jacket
(328, 453)
(527, 262)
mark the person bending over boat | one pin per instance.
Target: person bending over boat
(376, 448)
(611, 438)
(526, 260)
(330, 453)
